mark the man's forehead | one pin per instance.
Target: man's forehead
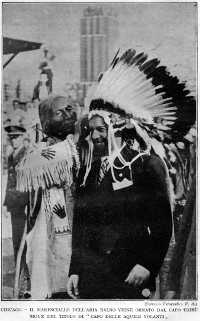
(96, 121)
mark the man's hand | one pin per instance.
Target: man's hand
(138, 275)
(48, 153)
(72, 286)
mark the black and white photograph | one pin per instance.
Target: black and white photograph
(99, 151)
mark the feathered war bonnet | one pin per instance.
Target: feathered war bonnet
(141, 94)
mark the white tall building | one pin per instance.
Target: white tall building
(99, 29)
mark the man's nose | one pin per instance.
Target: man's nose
(95, 134)
(68, 112)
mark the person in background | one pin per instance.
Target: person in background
(182, 281)
(15, 201)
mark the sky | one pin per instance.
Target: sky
(165, 30)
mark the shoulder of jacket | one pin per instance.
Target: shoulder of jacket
(155, 163)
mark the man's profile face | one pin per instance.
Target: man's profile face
(99, 135)
(62, 119)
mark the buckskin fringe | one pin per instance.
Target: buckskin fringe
(37, 171)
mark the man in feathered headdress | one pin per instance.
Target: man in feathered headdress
(47, 173)
(122, 218)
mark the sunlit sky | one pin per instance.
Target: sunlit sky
(166, 30)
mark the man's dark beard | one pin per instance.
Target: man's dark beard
(100, 150)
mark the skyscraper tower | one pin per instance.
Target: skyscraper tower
(98, 34)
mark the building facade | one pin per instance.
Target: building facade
(98, 34)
